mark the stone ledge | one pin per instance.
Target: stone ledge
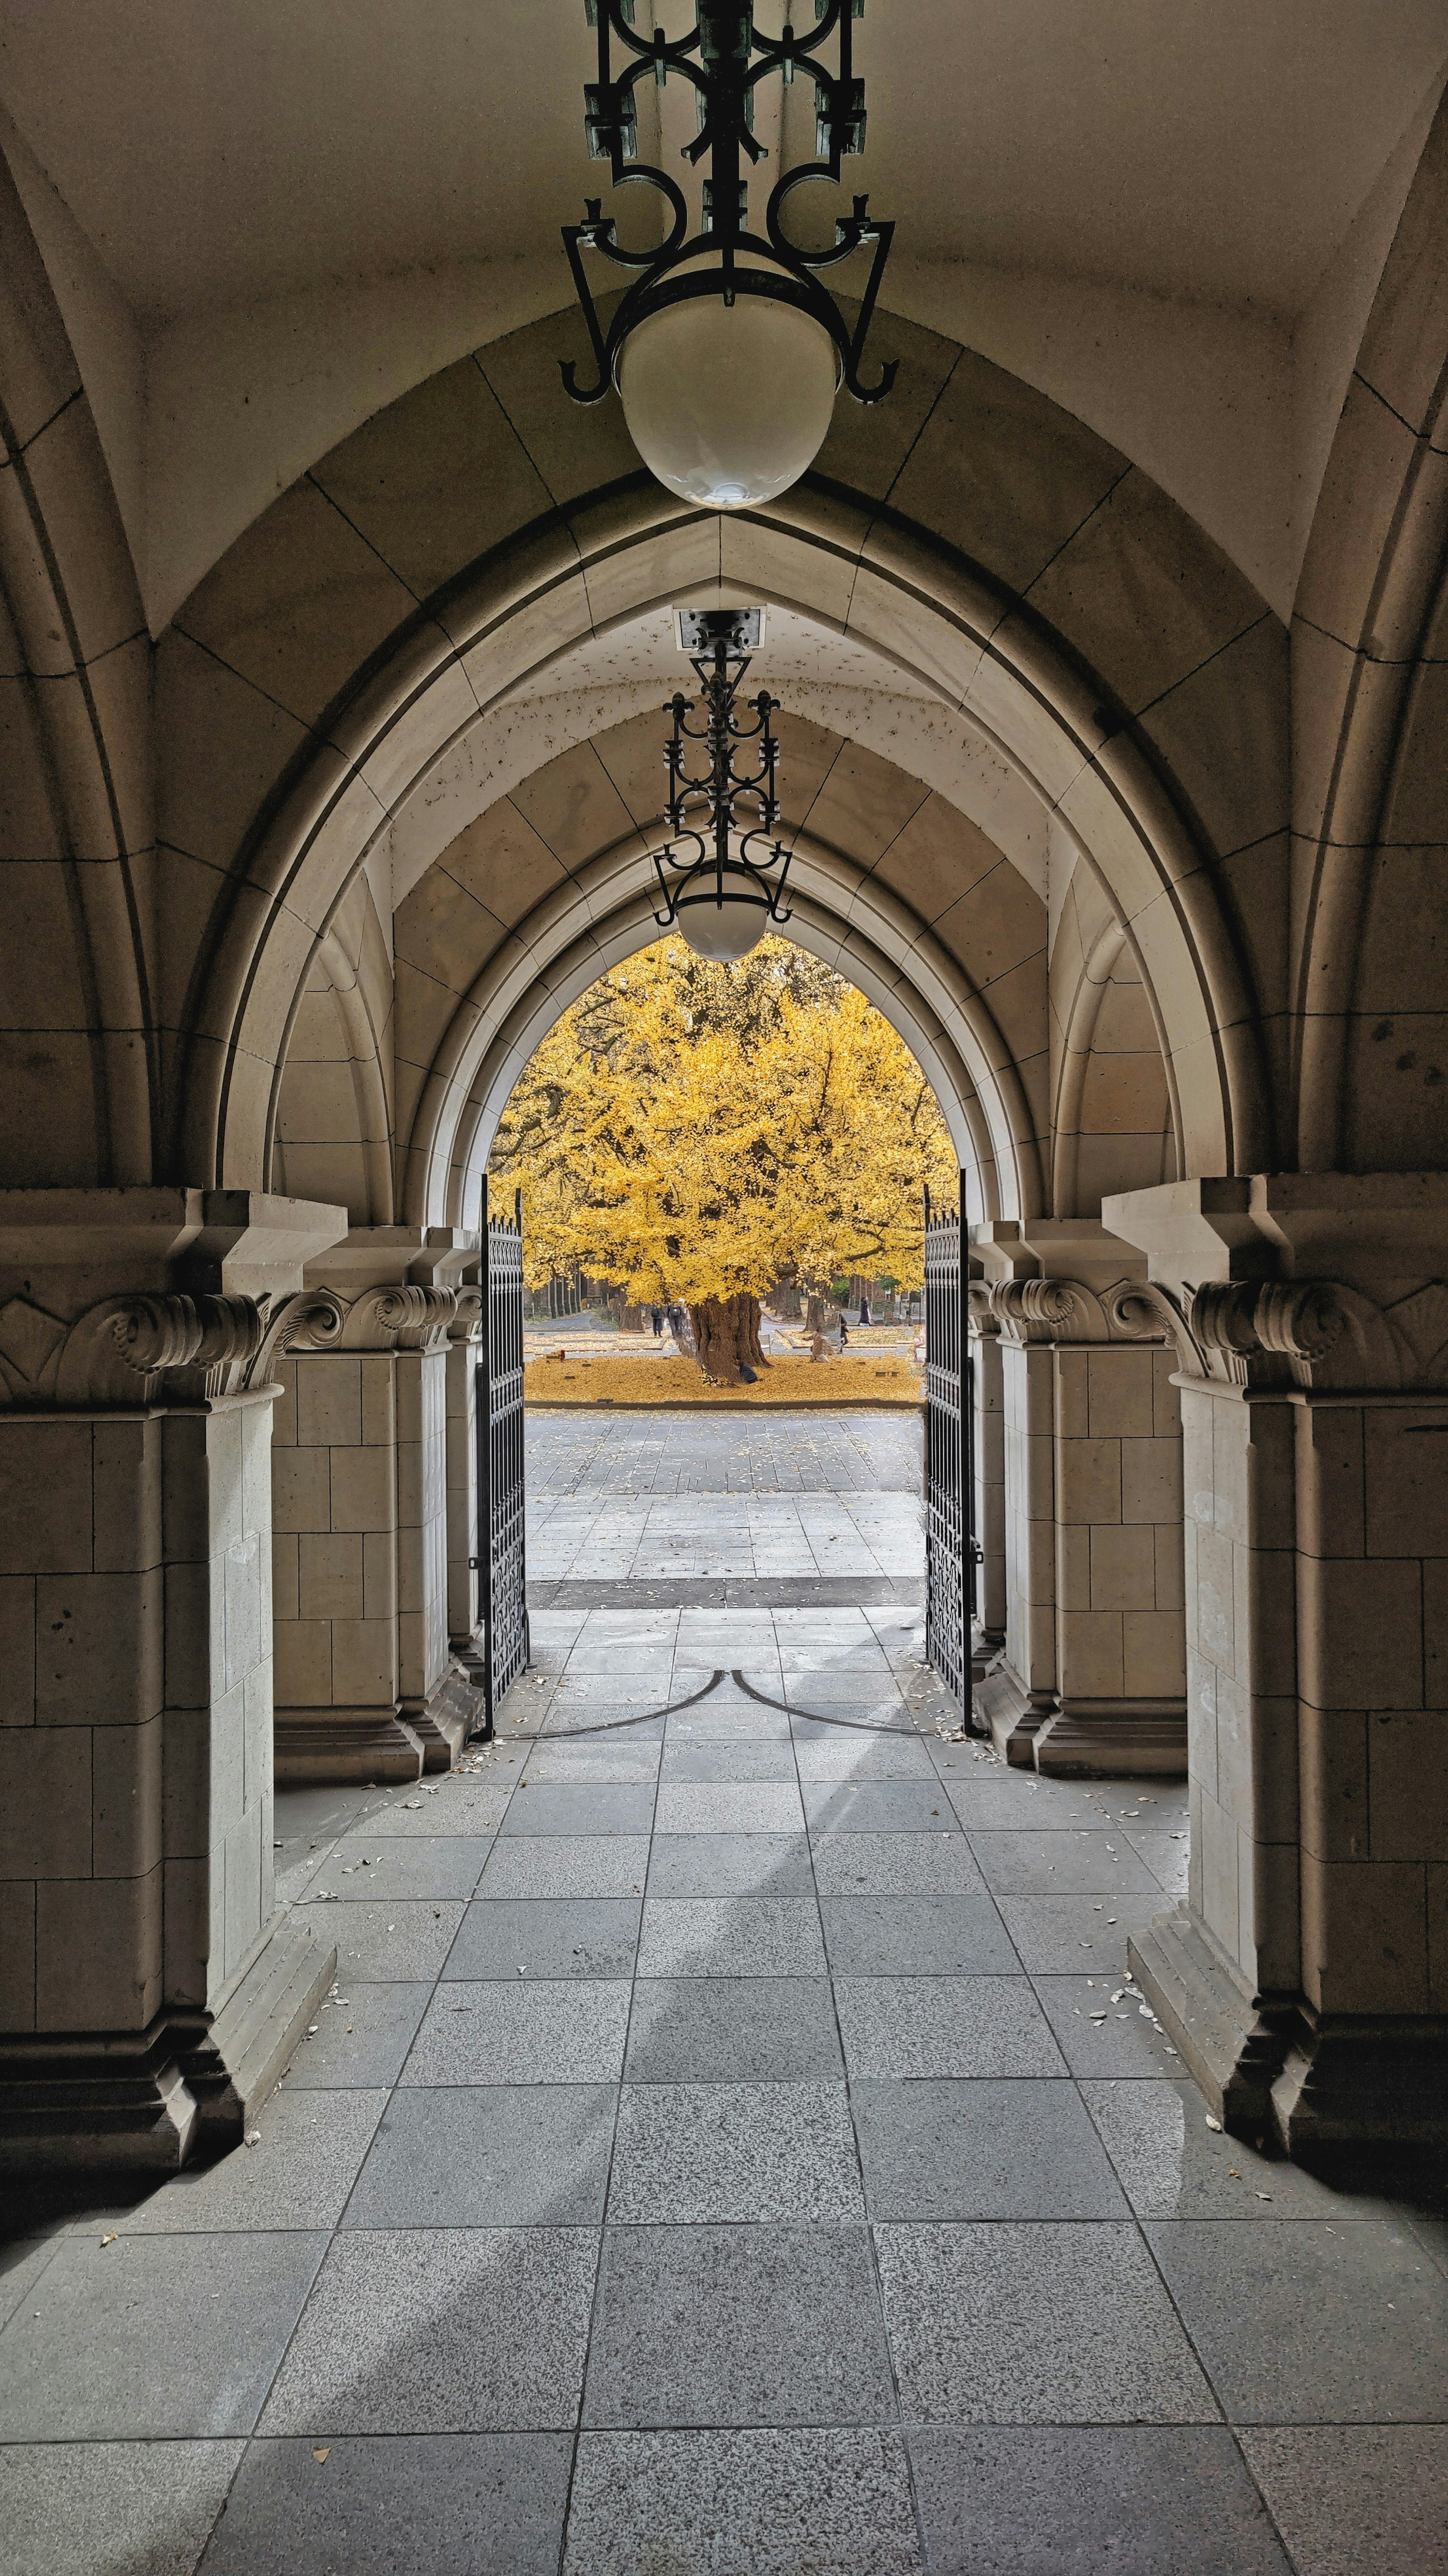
(250, 2042)
(1232, 2044)
(321, 1746)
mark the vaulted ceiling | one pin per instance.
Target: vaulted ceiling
(266, 219)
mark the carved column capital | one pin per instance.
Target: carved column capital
(1066, 1310)
(146, 1346)
(393, 1318)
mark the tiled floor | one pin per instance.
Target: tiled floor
(733, 2148)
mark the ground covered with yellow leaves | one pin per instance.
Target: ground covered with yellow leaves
(639, 1382)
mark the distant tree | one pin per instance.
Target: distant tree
(699, 1132)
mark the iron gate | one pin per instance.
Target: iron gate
(949, 1450)
(501, 1560)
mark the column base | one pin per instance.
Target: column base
(1004, 1709)
(146, 2102)
(446, 1719)
(1110, 1739)
(1232, 2042)
(323, 1746)
(1358, 2081)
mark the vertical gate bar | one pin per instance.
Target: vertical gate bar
(502, 1456)
(949, 1551)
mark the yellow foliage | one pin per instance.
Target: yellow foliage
(689, 1130)
(638, 1384)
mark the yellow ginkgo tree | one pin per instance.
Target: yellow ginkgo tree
(698, 1132)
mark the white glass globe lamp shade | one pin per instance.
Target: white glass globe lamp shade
(724, 930)
(728, 404)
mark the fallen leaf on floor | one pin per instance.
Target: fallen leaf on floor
(111, 2239)
(324, 2454)
(1214, 2124)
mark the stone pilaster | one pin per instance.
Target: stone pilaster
(149, 1991)
(988, 1469)
(1306, 1977)
(464, 1596)
(367, 1688)
(1091, 1679)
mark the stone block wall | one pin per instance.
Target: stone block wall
(335, 1533)
(422, 1495)
(1119, 1567)
(135, 1748)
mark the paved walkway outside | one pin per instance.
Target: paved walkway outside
(733, 2149)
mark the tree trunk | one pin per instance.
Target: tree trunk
(631, 1319)
(815, 1314)
(726, 1330)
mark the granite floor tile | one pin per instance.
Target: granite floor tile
(722, 1719)
(732, 2030)
(739, 1760)
(591, 1807)
(1173, 2166)
(631, 1759)
(1125, 2043)
(934, 1864)
(22, 2260)
(875, 1807)
(915, 1936)
(111, 2508)
(718, 1807)
(731, 1936)
(580, 1936)
(565, 1865)
(737, 2325)
(308, 2153)
(1303, 2322)
(449, 2504)
(884, 1755)
(441, 2330)
(1057, 1935)
(362, 2036)
(1349, 2497)
(382, 1865)
(461, 1802)
(730, 1865)
(756, 2503)
(488, 2155)
(534, 2031)
(689, 2154)
(1064, 2500)
(383, 1939)
(1036, 2324)
(981, 2149)
(901, 2027)
(154, 2337)
(1079, 1862)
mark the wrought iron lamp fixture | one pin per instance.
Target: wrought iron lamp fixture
(727, 350)
(722, 897)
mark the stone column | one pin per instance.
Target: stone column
(464, 1595)
(149, 1991)
(1091, 1679)
(366, 1686)
(1305, 1979)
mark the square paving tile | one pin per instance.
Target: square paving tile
(1303, 2323)
(1072, 1863)
(1058, 1934)
(534, 2031)
(981, 2149)
(593, 1807)
(1035, 2324)
(454, 2504)
(933, 1864)
(579, 1936)
(757, 2503)
(726, 1719)
(461, 1802)
(488, 2155)
(876, 1807)
(441, 2330)
(110, 2508)
(714, 1807)
(731, 1936)
(737, 2325)
(1174, 2166)
(909, 2026)
(732, 2030)
(730, 1865)
(566, 1865)
(915, 1936)
(310, 2151)
(694, 2153)
(153, 2336)
(741, 1759)
(1351, 2497)
(1125, 2044)
(1139, 2500)
(575, 1759)
(881, 1755)
(389, 1937)
(362, 2036)
(389, 1865)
